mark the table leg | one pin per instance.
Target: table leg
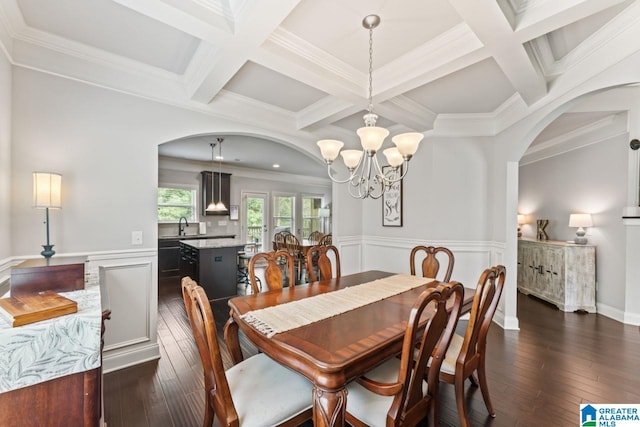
(329, 407)
(231, 338)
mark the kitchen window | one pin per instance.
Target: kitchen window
(174, 203)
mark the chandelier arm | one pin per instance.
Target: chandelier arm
(405, 169)
(338, 181)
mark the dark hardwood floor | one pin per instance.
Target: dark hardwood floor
(538, 376)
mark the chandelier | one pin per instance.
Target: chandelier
(366, 177)
(217, 207)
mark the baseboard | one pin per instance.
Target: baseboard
(610, 312)
(506, 322)
(124, 358)
(632, 318)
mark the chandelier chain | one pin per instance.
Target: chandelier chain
(370, 70)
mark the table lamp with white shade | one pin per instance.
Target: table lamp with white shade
(47, 193)
(581, 221)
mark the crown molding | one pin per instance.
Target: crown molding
(601, 130)
(483, 124)
(301, 49)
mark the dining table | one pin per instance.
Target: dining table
(335, 350)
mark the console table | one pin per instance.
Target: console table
(561, 273)
(50, 371)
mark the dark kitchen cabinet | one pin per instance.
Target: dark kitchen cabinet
(210, 188)
(168, 257)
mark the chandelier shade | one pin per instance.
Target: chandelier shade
(366, 177)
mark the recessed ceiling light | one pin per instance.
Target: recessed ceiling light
(276, 165)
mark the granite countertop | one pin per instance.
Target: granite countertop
(198, 236)
(213, 243)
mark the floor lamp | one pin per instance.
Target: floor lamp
(47, 193)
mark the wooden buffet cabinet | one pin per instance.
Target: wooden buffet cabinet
(561, 273)
(52, 373)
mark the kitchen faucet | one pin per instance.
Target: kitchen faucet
(181, 231)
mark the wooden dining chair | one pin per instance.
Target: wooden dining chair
(318, 259)
(251, 392)
(278, 241)
(404, 391)
(314, 237)
(278, 270)
(293, 246)
(466, 355)
(327, 239)
(430, 264)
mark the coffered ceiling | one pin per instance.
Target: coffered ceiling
(300, 66)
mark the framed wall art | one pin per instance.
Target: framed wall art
(392, 203)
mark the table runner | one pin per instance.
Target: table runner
(291, 315)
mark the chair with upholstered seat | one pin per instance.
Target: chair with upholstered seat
(430, 264)
(318, 259)
(466, 355)
(404, 391)
(278, 270)
(251, 392)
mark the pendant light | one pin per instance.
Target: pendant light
(217, 207)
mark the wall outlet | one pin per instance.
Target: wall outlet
(136, 237)
(221, 223)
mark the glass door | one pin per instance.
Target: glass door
(255, 213)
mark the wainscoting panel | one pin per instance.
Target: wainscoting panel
(350, 255)
(390, 254)
(129, 285)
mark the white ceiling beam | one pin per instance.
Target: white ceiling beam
(251, 33)
(552, 15)
(486, 19)
(324, 112)
(407, 112)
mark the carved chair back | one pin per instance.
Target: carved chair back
(410, 404)
(430, 264)
(279, 269)
(472, 348)
(217, 392)
(318, 260)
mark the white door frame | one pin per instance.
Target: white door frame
(266, 226)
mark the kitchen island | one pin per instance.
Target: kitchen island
(212, 263)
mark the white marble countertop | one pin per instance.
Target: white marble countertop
(53, 348)
(213, 243)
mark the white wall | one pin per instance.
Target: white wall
(592, 179)
(5, 158)
(105, 145)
